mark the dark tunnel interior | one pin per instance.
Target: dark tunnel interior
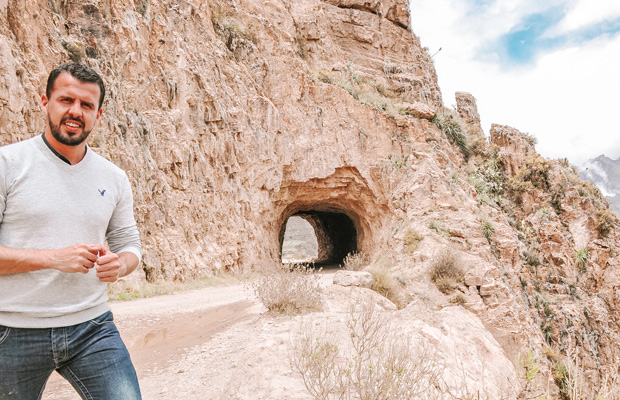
(335, 232)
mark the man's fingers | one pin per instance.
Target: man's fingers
(107, 276)
(94, 248)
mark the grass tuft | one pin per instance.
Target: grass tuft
(446, 271)
(355, 261)
(452, 127)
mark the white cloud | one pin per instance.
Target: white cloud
(567, 99)
(594, 172)
(585, 13)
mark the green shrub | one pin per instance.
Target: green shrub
(488, 180)
(446, 271)
(452, 127)
(487, 228)
(581, 258)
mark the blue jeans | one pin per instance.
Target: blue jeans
(91, 356)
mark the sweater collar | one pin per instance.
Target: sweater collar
(63, 158)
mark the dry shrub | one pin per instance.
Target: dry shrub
(388, 286)
(374, 364)
(536, 171)
(531, 256)
(355, 261)
(605, 221)
(234, 35)
(446, 271)
(293, 289)
(411, 240)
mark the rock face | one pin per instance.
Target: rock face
(232, 116)
(468, 110)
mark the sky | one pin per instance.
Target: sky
(550, 68)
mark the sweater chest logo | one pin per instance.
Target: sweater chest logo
(101, 192)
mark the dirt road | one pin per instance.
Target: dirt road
(160, 331)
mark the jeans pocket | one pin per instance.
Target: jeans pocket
(4, 333)
(103, 319)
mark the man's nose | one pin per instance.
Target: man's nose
(75, 108)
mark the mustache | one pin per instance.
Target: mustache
(75, 120)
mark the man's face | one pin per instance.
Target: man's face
(72, 109)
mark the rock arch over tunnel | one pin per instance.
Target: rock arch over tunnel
(346, 210)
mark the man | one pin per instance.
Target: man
(59, 203)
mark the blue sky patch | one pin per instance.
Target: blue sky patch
(527, 40)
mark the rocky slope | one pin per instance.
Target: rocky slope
(232, 116)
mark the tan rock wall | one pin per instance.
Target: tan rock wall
(216, 118)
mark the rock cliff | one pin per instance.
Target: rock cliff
(231, 116)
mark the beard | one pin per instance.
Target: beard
(67, 140)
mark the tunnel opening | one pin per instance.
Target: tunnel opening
(335, 233)
(299, 244)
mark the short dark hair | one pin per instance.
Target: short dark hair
(79, 71)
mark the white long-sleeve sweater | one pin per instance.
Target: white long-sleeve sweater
(46, 203)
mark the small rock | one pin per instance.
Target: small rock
(353, 278)
(420, 110)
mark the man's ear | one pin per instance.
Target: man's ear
(99, 113)
(44, 101)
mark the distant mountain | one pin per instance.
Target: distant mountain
(605, 172)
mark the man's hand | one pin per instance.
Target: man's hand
(109, 266)
(76, 258)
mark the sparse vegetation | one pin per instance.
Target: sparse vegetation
(374, 364)
(411, 240)
(458, 299)
(76, 53)
(396, 162)
(605, 221)
(446, 271)
(436, 225)
(487, 228)
(582, 256)
(363, 90)
(529, 368)
(488, 180)
(388, 286)
(531, 257)
(452, 127)
(302, 46)
(234, 35)
(124, 290)
(536, 171)
(290, 289)
(355, 261)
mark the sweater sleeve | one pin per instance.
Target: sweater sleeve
(122, 233)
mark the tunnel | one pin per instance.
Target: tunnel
(335, 232)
